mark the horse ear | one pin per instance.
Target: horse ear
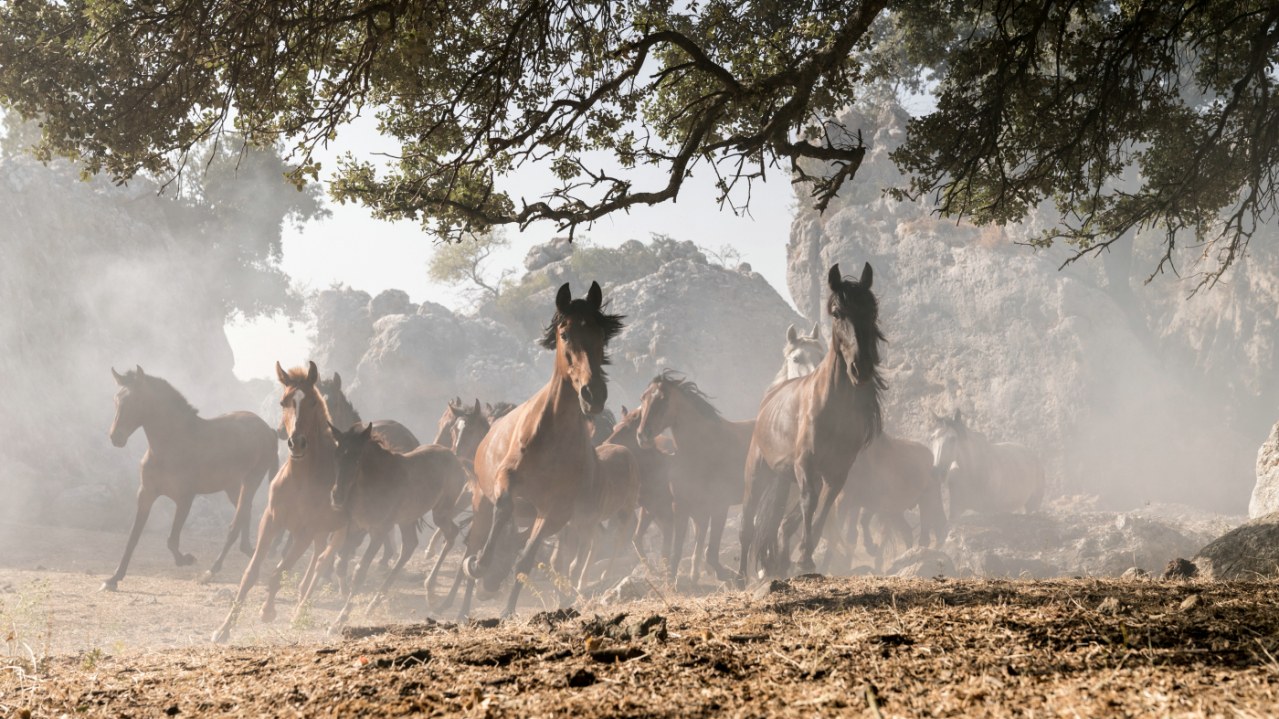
(868, 276)
(333, 428)
(624, 411)
(476, 409)
(119, 378)
(337, 380)
(138, 368)
(563, 298)
(595, 296)
(835, 279)
(367, 433)
(817, 330)
(312, 373)
(488, 408)
(791, 335)
(280, 374)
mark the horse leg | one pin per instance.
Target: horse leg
(481, 529)
(542, 526)
(700, 523)
(292, 553)
(321, 563)
(876, 551)
(449, 531)
(355, 585)
(675, 555)
(477, 565)
(268, 532)
(408, 545)
(236, 530)
(146, 498)
(180, 518)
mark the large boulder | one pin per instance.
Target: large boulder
(1265, 493)
(1250, 551)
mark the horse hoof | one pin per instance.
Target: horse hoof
(186, 560)
(206, 577)
(222, 636)
(471, 565)
(268, 614)
(111, 585)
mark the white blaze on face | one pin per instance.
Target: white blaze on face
(459, 427)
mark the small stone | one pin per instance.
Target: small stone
(1190, 602)
(1135, 573)
(771, 587)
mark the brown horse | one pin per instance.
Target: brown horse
(656, 503)
(612, 497)
(981, 475)
(810, 429)
(395, 435)
(890, 477)
(379, 488)
(710, 452)
(541, 452)
(299, 498)
(189, 455)
(461, 428)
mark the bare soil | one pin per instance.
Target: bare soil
(808, 646)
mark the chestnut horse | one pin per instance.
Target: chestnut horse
(709, 455)
(379, 488)
(656, 503)
(541, 453)
(299, 498)
(981, 475)
(189, 455)
(810, 429)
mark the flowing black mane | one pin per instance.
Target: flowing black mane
(695, 394)
(499, 409)
(582, 310)
(165, 391)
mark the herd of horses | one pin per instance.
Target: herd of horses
(558, 465)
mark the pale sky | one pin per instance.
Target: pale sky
(354, 249)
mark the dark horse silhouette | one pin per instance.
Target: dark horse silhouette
(810, 429)
(189, 455)
(541, 453)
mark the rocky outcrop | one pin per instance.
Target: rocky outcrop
(1053, 358)
(1265, 493)
(1250, 551)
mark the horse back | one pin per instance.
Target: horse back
(394, 435)
(436, 475)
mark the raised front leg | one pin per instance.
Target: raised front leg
(408, 545)
(543, 526)
(180, 519)
(357, 583)
(268, 532)
(146, 498)
(292, 553)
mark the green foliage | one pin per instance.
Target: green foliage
(464, 262)
(1122, 114)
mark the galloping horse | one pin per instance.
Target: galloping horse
(541, 453)
(395, 435)
(189, 455)
(380, 488)
(710, 452)
(612, 497)
(984, 476)
(810, 429)
(299, 497)
(655, 465)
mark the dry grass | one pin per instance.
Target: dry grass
(861, 647)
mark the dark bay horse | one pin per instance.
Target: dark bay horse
(189, 455)
(299, 500)
(612, 497)
(981, 475)
(541, 453)
(708, 459)
(810, 429)
(379, 488)
(395, 435)
(656, 503)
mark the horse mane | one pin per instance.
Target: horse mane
(167, 392)
(694, 393)
(580, 308)
(500, 409)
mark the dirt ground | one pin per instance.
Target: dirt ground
(808, 646)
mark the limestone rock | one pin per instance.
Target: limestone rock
(1265, 493)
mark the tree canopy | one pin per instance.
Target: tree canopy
(1123, 114)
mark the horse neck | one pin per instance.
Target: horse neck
(562, 404)
(694, 424)
(343, 412)
(169, 426)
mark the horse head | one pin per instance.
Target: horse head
(129, 409)
(948, 434)
(855, 331)
(350, 448)
(468, 430)
(579, 332)
(302, 408)
(802, 353)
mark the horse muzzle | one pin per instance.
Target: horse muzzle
(592, 398)
(118, 441)
(297, 447)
